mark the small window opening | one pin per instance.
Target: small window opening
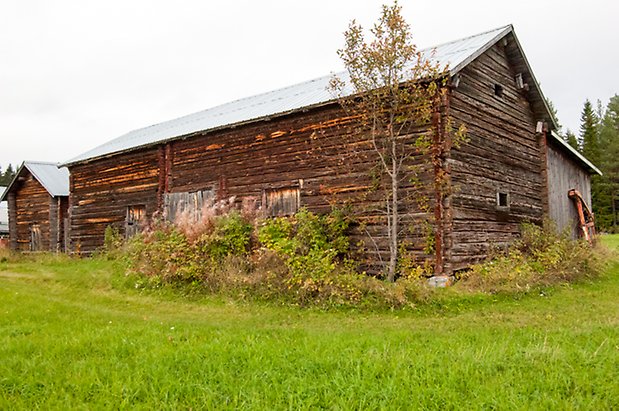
(498, 90)
(502, 200)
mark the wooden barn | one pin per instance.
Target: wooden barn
(279, 151)
(38, 202)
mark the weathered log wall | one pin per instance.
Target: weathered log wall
(565, 174)
(29, 208)
(501, 156)
(102, 191)
(318, 152)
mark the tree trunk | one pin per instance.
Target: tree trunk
(614, 211)
(394, 228)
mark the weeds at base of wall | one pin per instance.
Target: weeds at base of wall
(540, 258)
(305, 261)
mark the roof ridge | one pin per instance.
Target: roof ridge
(238, 100)
(310, 93)
(279, 89)
(472, 36)
(48, 163)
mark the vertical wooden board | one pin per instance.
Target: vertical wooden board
(189, 205)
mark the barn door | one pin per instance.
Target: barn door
(35, 238)
(135, 219)
(188, 206)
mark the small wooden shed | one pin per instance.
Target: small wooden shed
(38, 202)
(566, 169)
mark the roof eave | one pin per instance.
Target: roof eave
(538, 89)
(210, 130)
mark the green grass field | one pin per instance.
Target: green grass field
(70, 339)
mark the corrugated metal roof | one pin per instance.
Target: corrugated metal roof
(54, 179)
(579, 157)
(455, 54)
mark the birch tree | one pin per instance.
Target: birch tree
(392, 88)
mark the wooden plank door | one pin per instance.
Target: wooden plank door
(35, 238)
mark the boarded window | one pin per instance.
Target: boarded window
(282, 201)
(134, 222)
(187, 205)
(35, 238)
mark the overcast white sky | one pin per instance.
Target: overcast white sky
(74, 74)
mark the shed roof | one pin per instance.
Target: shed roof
(575, 154)
(455, 54)
(54, 179)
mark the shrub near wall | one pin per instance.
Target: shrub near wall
(306, 260)
(540, 258)
(302, 260)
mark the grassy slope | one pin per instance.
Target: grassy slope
(68, 339)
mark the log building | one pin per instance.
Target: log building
(38, 202)
(282, 150)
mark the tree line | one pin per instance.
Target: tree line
(7, 175)
(598, 141)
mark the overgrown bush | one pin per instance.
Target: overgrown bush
(305, 260)
(230, 235)
(301, 260)
(541, 257)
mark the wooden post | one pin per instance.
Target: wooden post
(12, 221)
(438, 195)
(165, 174)
(542, 131)
(440, 151)
(53, 224)
(161, 160)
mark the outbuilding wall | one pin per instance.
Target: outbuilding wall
(565, 174)
(29, 207)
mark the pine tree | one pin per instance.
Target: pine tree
(589, 135)
(555, 116)
(589, 125)
(7, 176)
(607, 190)
(571, 139)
